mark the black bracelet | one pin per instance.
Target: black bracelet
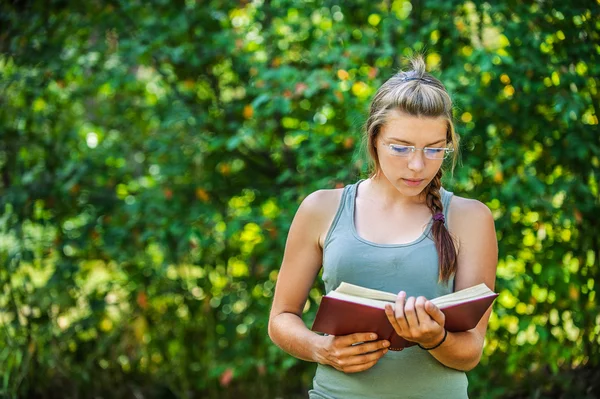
(441, 342)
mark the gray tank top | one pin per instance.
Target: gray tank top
(412, 267)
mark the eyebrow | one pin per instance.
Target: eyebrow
(409, 143)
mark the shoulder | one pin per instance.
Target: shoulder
(317, 200)
(319, 206)
(318, 210)
(321, 202)
(461, 208)
(470, 219)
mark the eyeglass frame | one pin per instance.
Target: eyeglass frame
(390, 146)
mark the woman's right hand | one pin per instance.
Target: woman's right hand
(351, 353)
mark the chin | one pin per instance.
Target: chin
(400, 185)
(409, 191)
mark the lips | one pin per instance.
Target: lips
(412, 182)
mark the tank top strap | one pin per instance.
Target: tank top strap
(343, 217)
(446, 197)
(351, 198)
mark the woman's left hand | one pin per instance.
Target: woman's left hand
(417, 320)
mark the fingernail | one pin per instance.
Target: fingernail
(386, 343)
(373, 336)
(385, 351)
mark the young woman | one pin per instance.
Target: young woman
(397, 231)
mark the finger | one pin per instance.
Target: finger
(360, 367)
(422, 314)
(365, 358)
(356, 338)
(367, 347)
(399, 313)
(389, 312)
(435, 313)
(345, 363)
(410, 314)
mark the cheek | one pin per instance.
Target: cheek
(394, 167)
(391, 166)
(432, 170)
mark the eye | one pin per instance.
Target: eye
(400, 149)
(434, 151)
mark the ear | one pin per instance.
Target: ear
(374, 139)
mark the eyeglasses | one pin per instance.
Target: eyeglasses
(399, 150)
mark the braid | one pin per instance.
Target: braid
(441, 236)
(434, 199)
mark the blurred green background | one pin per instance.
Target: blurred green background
(153, 154)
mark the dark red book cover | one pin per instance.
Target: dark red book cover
(339, 317)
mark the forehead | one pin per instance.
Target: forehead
(413, 129)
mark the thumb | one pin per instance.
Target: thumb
(435, 313)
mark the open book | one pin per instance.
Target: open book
(351, 309)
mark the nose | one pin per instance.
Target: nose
(416, 161)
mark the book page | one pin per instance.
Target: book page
(356, 299)
(466, 295)
(355, 290)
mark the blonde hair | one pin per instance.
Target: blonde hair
(418, 93)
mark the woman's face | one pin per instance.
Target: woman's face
(410, 174)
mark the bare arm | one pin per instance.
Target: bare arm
(301, 263)
(421, 321)
(477, 260)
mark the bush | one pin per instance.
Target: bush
(153, 156)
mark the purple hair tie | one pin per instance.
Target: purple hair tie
(439, 216)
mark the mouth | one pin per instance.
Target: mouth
(413, 182)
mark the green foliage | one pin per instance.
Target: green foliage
(153, 155)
